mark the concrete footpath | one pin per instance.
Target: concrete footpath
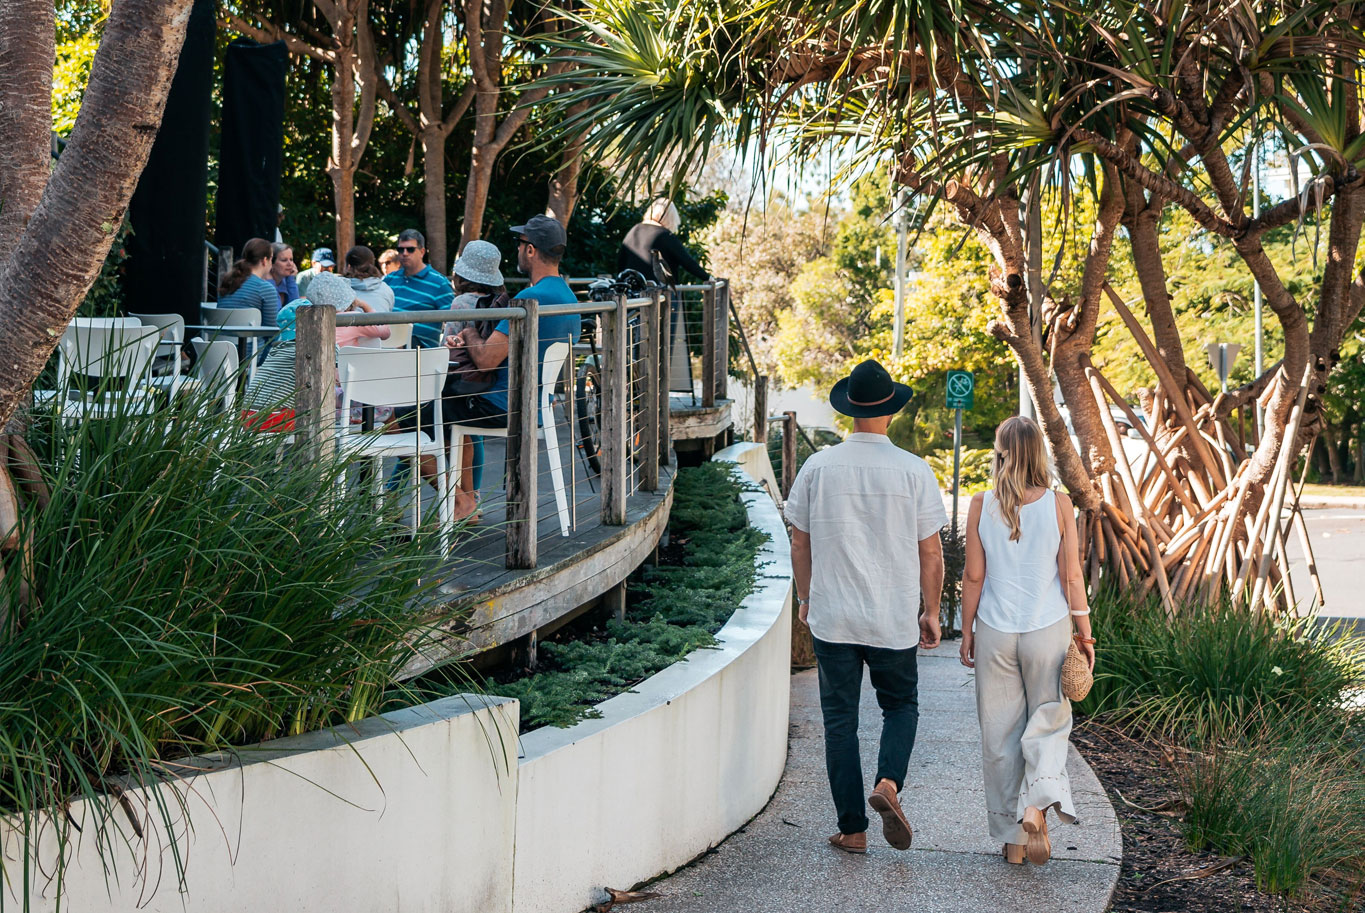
(780, 861)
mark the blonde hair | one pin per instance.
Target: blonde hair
(663, 212)
(1020, 463)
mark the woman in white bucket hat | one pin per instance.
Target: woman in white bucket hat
(478, 281)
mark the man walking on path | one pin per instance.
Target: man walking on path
(865, 517)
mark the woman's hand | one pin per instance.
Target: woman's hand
(362, 306)
(967, 652)
(1088, 651)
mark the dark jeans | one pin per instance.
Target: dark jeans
(895, 678)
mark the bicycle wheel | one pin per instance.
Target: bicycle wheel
(588, 404)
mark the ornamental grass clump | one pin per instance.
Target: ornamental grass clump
(196, 586)
(1209, 668)
(1264, 733)
(1290, 799)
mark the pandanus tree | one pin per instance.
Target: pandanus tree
(59, 219)
(975, 106)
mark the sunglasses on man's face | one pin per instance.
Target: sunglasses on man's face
(526, 241)
(407, 250)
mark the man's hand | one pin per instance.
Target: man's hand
(803, 611)
(967, 652)
(929, 633)
(468, 336)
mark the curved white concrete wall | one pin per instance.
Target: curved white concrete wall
(411, 811)
(428, 809)
(670, 769)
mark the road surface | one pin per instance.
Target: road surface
(1338, 538)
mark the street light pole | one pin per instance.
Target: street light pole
(1256, 292)
(902, 239)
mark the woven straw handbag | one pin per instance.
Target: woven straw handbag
(1076, 675)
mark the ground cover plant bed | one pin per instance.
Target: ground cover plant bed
(1160, 873)
(1233, 745)
(672, 608)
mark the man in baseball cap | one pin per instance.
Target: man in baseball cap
(545, 234)
(540, 245)
(322, 261)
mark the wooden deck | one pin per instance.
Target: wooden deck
(689, 420)
(483, 605)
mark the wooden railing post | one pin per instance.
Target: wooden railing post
(788, 451)
(708, 346)
(761, 409)
(663, 316)
(315, 378)
(648, 373)
(523, 380)
(615, 447)
(721, 291)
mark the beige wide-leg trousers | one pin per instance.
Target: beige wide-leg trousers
(1025, 723)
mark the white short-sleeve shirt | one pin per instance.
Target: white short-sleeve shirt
(866, 504)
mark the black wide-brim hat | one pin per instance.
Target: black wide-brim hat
(869, 392)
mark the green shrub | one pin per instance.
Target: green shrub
(974, 471)
(671, 610)
(194, 591)
(1211, 668)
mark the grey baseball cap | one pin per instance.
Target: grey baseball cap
(544, 232)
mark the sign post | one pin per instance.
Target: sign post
(961, 389)
(1222, 356)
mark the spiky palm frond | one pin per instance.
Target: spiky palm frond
(958, 87)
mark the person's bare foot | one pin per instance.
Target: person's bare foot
(466, 507)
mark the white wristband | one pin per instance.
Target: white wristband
(1086, 612)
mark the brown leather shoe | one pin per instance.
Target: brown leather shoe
(850, 843)
(1039, 847)
(895, 828)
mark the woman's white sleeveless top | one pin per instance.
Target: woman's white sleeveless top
(1023, 589)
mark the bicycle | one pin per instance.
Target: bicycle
(588, 377)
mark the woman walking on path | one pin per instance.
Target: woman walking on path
(1023, 588)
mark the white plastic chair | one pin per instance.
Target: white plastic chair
(215, 367)
(555, 356)
(129, 321)
(400, 336)
(230, 317)
(398, 377)
(167, 365)
(234, 317)
(121, 351)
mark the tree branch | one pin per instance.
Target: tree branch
(457, 109)
(87, 195)
(274, 33)
(1292, 209)
(396, 105)
(1158, 184)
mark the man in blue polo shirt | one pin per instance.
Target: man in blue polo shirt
(418, 287)
(540, 246)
